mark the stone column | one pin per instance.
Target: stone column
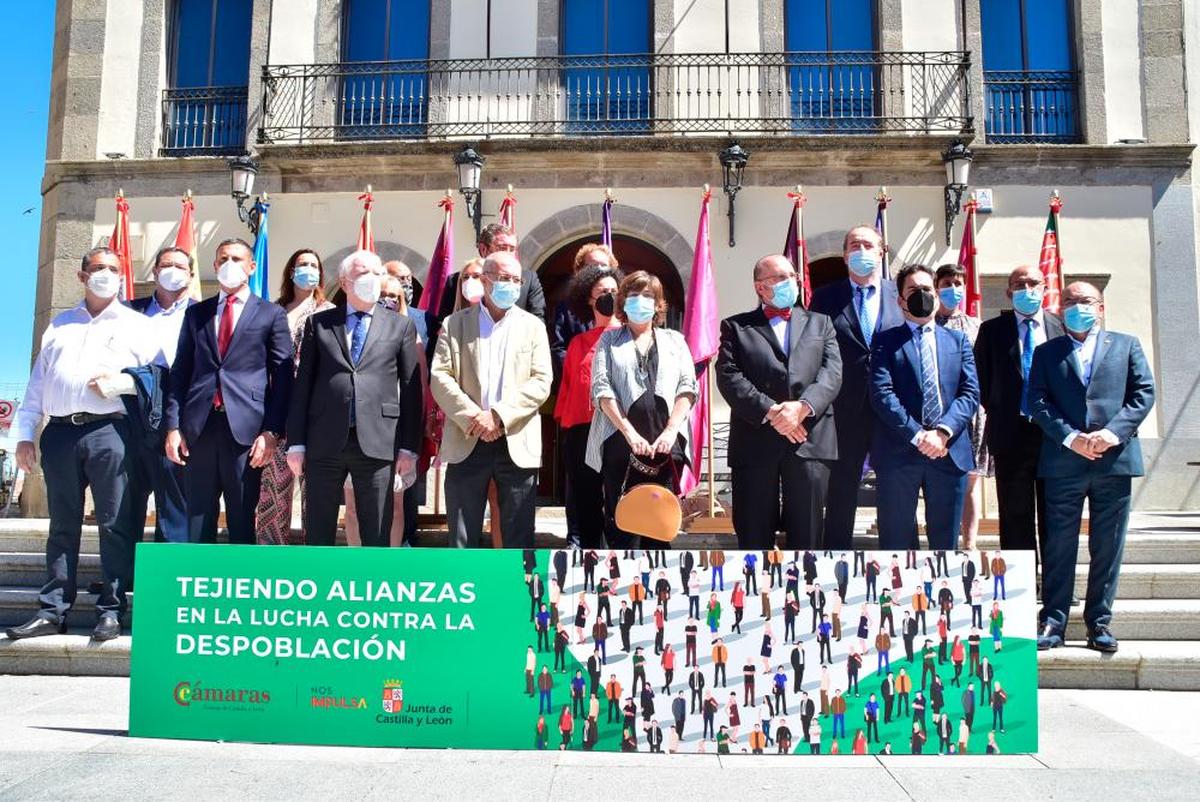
(1089, 66)
(150, 80)
(260, 35)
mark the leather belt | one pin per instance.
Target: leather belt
(83, 418)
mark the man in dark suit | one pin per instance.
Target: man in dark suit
(1003, 355)
(356, 408)
(1089, 392)
(779, 369)
(924, 391)
(494, 238)
(860, 307)
(228, 398)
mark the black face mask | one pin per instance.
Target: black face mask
(408, 292)
(606, 304)
(920, 303)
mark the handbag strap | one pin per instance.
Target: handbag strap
(667, 459)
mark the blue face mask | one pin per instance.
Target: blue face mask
(862, 263)
(505, 293)
(951, 297)
(784, 294)
(639, 308)
(1027, 302)
(1080, 318)
(306, 277)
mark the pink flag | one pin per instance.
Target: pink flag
(508, 211)
(973, 300)
(701, 329)
(442, 263)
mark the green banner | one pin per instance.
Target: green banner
(480, 649)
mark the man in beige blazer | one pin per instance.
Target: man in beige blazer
(490, 374)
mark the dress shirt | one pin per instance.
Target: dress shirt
(1039, 331)
(242, 295)
(780, 328)
(166, 324)
(493, 348)
(872, 299)
(75, 348)
(1084, 353)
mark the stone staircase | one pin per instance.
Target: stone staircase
(1157, 614)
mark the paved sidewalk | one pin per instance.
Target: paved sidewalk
(64, 737)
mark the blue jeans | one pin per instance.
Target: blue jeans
(839, 722)
(717, 570)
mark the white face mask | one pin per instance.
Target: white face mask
(231, 275)
(367, 287)
(472, 290)
(173, 279)
(104, 284)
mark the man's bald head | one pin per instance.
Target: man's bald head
(1025, 277)
(1081, 292)
(773, 265)
(502, 262)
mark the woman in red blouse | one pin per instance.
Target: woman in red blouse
(592, 295)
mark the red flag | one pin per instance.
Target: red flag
(186, 240)
(701, 329)
(119, 242)
(366, 236)
(973, 301)
(508, 212)
(796, 249)
(1050, 261)
(442, 263)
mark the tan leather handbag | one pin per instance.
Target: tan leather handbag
(650, 510)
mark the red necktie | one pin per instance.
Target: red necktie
(224, 335)
(773, 313)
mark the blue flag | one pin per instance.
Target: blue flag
(260, 281)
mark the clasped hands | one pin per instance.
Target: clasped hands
(642, 448)
(487, 425)
(787, 418)
(1092, 445)
(932, 443)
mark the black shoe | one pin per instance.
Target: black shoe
(107, 628)
(1102, 640)
(95, 587)
(36, 627)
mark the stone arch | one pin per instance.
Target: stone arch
(825, 244)
(578, 221)
(388, 251)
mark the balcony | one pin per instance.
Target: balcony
(204, 121)
(809, 94)
(1026, 106)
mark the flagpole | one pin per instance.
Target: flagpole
(801, 269)
(883, 200)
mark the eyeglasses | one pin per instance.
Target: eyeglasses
(505, 278)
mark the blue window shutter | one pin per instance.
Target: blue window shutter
(1002, 45)
(1048, 35)
(193, 42)
(231, 57)
(583, 27)
(807, 26)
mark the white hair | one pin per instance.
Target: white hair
(491, 262)
(367, 259)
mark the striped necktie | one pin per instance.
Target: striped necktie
(931, 407)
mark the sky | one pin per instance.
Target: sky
(23, 142)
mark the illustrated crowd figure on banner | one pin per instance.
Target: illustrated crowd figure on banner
(226, 402)
(859, 652)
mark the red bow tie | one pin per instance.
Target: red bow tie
(773, 313)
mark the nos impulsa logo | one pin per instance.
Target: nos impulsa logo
(187, 694)
(326, 698)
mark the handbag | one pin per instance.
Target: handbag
(650, 510)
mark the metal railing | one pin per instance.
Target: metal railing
(742, 93)
(208, 120)
(1031, 106)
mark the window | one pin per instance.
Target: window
(1030, 86)
(204, 111)
(389, 99)
(832, 78)
(607, 48)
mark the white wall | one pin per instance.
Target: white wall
(293, 32)
(1123, 70)
(930, 25)
(119, 79)
(514, 28)
(700, 27)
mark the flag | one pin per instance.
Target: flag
(119, 242)
(186, 241)
(796, 249)
(701, 330)
(442, 263)
(973, 301)
(260, 282)
(881, 205)
(366, 236)
(1050, 261)
(508, 212)
(606, 223)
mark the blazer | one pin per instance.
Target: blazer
(1118, 398)
(998, 365)
(256, 373)
(896, 395)
(384, 388)
(454, 382)
(752, 374)
(837, 301)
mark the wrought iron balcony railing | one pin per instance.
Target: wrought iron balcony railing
(204, 121)
(1029, 106)
(745, 93)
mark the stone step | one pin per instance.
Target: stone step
(1146, 620)
(73, 654)
(1138, 581)
(17, 604)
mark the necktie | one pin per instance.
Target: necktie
(358, 337)
(866, 318)
(1027, 347)
(931, 408)
(224, 335)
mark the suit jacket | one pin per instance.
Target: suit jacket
(753, 374)
(256, 373)
(998, 365)
(1118, 398)
(384, 388)
(454, 382)
(896, 396)
(837, 301)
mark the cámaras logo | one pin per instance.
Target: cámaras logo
(393, 696)
(186, 693)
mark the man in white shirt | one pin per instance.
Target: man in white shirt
(76, 381)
